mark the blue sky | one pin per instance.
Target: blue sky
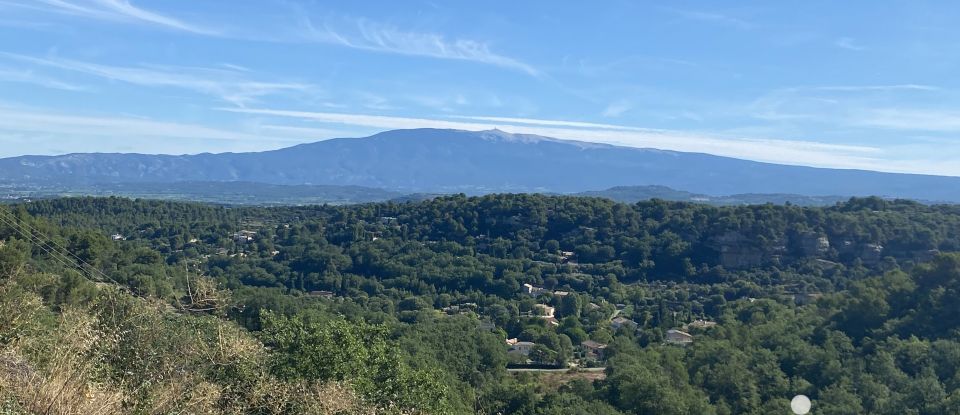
(853, 84)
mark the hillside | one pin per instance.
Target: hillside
(411, 308)
(451, 161)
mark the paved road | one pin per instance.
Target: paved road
(588, 369)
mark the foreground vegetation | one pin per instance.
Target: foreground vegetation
(383, 308)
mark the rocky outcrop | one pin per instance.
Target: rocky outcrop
(738, 251)
(812, 244)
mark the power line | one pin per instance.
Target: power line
(54, 242)
(46, 244)
(33, 239)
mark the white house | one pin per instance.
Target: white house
(533, 291)
(545, 310)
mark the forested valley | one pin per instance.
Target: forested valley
(500, 304)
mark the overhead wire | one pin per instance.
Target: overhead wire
(47, 244)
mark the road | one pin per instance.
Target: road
(586, 369)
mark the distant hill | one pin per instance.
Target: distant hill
(449, 161)
(633, 194)
(230, 193)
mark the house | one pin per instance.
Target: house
(561, 293)
(680, 338)
(244, 236)
(567, 257)
(552, 321)
(593, 350)
(117, 237)
(193, 240)
(388, 220)
(533, 291)
(520, 348)
(545, 310)
(619, 322)
(453, 309)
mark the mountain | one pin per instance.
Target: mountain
(633, 194)
(444, 161)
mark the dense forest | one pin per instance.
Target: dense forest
(456, 304)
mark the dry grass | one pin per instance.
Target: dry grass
(71, 364)
(64, 385)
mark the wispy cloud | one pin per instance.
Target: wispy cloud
(227, 84)
(117, 10)
(372, 36)
(769, 150)
(554, 123)
(709, 16)
(862, 88)
(617, 108)
(928, 120)
(67, 124)
(33, 131)
(834, 103)
(849, 44)
(31, 77)
(356, 33)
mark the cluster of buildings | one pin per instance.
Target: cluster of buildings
(244, 236)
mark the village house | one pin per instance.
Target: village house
(244, 236)
(533, 291)
(519, 347)
(117, 237)
(545, 310)
(680, 338)
(593, 350)
(561, 293)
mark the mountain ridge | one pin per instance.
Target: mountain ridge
(453, 161)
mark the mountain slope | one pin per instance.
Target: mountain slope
(428, 160)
